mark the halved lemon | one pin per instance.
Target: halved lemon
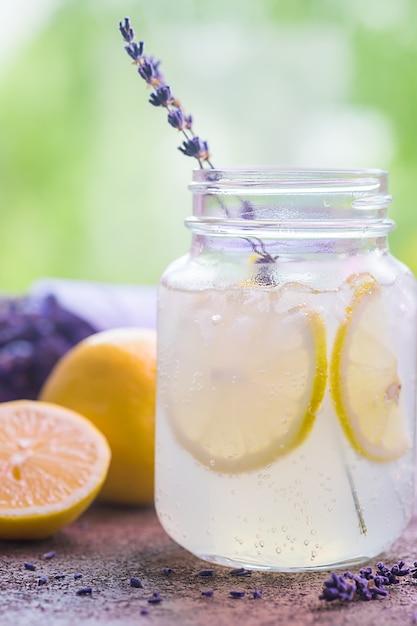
(364, 381)
(248, 380)
(53, 462)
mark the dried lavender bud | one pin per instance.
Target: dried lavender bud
(30, 566)
(144, 611)
(391, 574)
(77, 576)
(400, 570)
(240, 571)
(146, 71)
(135, 50)
(196, 148)
(237, 594)
(167, 571)
(257, 593)
(366, 572)
(208, 592)
(177, 119)
(337, 587)
(59, 576)
(84, 591)
(136, 582)
(161, 97)
(156, 598)
(366, 589)
(126, 30)
(204, 573)
(42, 580)
(49, 555)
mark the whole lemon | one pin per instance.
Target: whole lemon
(110, 379)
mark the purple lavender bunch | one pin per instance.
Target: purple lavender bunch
(161, 96)
(348, 587)
(367, 585)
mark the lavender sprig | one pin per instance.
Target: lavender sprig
(148, 69)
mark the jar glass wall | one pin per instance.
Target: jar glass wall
(286, 373)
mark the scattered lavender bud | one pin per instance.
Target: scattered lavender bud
(204, 573)
(77, 576)
(156, 598)
(59, 576)
(144, 611)
(84, 591)
(167, 571)
(257, 593)
(237, 594)
(30, 566)
(241, 571)
(42, 580)
(337, 587)
(208, 592)
(366, 589)
(136, 582)
(391, 574)
(365, 586)
(49, 555)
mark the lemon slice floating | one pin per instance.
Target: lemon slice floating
(260, 380)
(53, 462)
(364, 381)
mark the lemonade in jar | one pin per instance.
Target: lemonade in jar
(286, 385)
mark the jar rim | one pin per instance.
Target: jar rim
(291, 199)
(369, 181)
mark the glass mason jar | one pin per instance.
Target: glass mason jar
(286, 373)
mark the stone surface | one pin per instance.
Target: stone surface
(108, 546)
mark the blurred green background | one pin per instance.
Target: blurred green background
(91, 183)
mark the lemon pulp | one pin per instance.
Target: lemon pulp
(53, 463)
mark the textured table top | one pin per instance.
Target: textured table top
(109, 546)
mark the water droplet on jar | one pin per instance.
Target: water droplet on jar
(216, 319)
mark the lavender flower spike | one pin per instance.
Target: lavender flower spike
(148, 69)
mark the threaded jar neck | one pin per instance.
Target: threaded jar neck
(292, 203)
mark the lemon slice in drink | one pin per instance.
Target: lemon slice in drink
(248, 380)
(364, 380)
